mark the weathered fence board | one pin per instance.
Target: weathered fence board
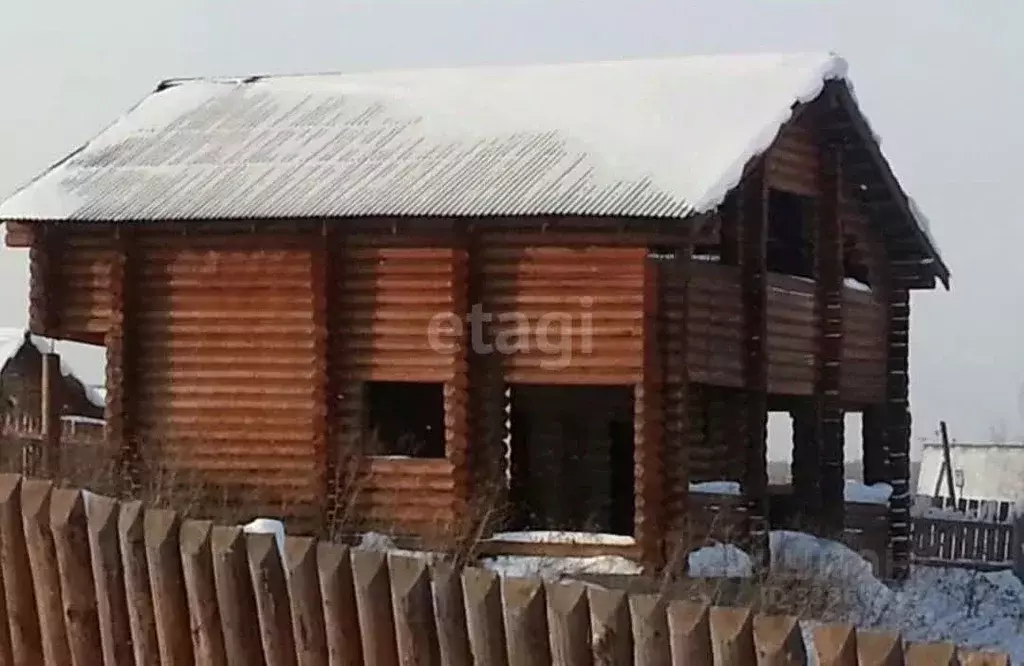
(89, 580)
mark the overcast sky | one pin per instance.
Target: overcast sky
(940, 82)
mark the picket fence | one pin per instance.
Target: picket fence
(90, 580)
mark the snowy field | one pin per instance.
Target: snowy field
(971, 609)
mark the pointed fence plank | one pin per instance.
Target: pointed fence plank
(238, 617)
(35, 514)
(141, 618)
(485, 620)
(307, 609)
(880, 648)
(108, 575)
(373, 599)
(778, 641)
(341, 621)
(271, 591)
(978, 658)
(200, 589)
(415, 624)
(70, 529)
(931, 654)
(526, 622)
(19, 591)
(170, 602)
(732, 636)
(689, 626)
(610, 629)
(452, 632)
(649, 619)
(836, 645)
(569, 622)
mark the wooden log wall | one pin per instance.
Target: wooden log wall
(589, 298)
(792, 343)
(224, 329)
(392, 287)
(791, 164)
(862, 377)
(714, 325)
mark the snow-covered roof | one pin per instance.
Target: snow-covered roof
(13, 339)
(646, 137)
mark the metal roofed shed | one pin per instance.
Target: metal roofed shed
(287, 274)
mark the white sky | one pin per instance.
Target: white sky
(940, 82)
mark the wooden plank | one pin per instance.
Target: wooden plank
(880, 648)
(569, 623)
(170, 602)
(650, 630)
(19, 593)
(484, 616)
(689, 627)
(141, 617)
(70, 529)
(35, 513)
(526, 627)
(732, 634)
(108, 574)
(778, 641)
(452, 631)
(270, 590)
(373, 599)
(931, 654)
(974, 658)
(415, 623)
(307, 608)
(836, 645)
(611, 630)
(201, 592)
(341, 621)
(233, 582)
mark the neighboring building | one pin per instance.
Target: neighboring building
(21, 373)
(981, 471)
(272, 261)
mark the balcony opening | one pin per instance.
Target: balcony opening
(789, 250)
(405, 419)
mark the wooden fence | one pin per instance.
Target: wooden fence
(90, 580)
(969, 544)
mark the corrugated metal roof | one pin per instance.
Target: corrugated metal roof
(635, 138)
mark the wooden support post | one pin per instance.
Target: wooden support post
(678, 441)
(754, 295)
(456, 408)
(120, 363)
(806, 464)
(876, 464)
(829, 249)
(897, 430)
(52, 402)
(649, 430)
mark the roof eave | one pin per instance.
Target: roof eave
(939, 269)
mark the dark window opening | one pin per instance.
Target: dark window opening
(854, 266)
(788, 250)
(405, 419)
(571, 459)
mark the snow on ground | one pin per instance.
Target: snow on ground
(877, 493)
(546, 536)
(969, 608)
(716, 488)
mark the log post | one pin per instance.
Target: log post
(829, 250)
(120, 359)
(51, 401)
(754, 295)
(806, 464)
(897, 430)
(876, 465)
